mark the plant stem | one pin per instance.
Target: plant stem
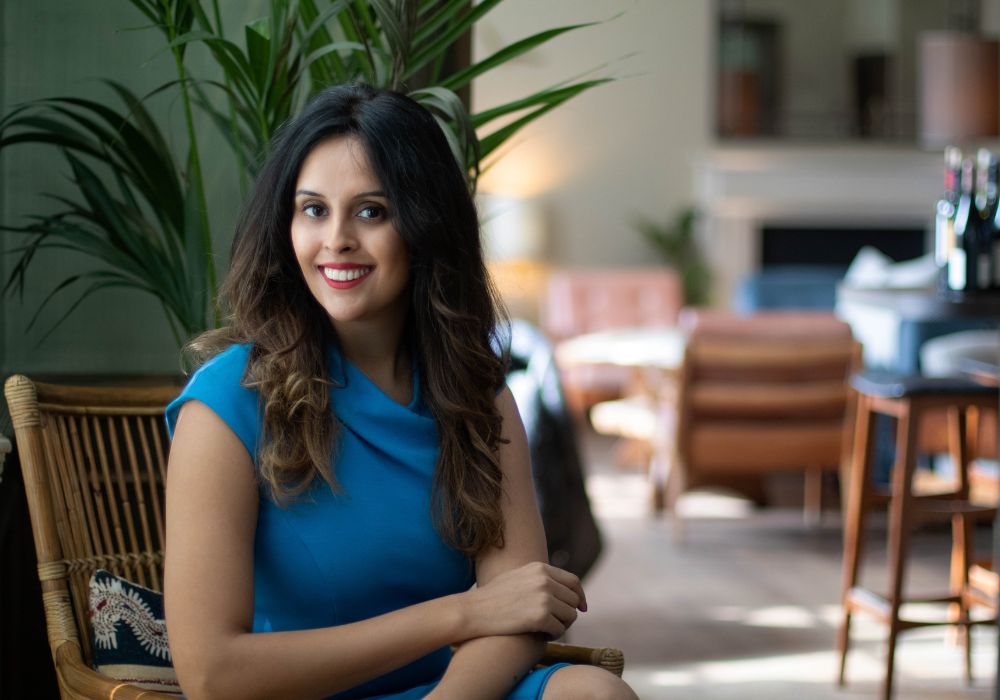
(195, 177)
(241, 162)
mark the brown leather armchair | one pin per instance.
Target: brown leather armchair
(760, 394)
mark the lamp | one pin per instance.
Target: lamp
(958, 88)
(515, 236)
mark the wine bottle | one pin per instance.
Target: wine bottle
(961, 270)
(986, 194)
(992, 226)
(944, 219)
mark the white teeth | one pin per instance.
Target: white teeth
(345, 275)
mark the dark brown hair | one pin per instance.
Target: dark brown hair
(451, 321)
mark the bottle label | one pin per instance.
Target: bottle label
(944, 238)
(956, 270)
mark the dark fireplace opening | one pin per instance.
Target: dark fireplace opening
(835, 247)
(801, 266)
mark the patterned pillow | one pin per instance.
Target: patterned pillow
(130, 636)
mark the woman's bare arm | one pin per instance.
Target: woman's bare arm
(211, 519)
(488, 667)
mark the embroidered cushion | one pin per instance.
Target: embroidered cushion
(130, 635)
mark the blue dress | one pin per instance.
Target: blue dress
(334, 558)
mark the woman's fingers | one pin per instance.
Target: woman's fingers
(566, 614)
(570, 582)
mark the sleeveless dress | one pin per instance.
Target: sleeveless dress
(331, 558)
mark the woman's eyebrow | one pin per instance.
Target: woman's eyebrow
(359, 195)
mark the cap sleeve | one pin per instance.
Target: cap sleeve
(218, 385)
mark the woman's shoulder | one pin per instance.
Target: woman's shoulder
(226, 368)
(219, 385)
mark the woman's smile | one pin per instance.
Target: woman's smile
(345, 276)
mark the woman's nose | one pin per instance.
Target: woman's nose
(339, 236)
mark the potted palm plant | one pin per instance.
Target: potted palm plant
(139, 210)
(677, 243)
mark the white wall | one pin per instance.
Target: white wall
(623, 150)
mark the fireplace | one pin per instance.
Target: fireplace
(817, 205)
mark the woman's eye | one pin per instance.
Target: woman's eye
(314, 210)
(372, 211)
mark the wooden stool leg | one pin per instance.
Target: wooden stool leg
(899, 529)
(857, 486)
(961, 559)
(960, 443)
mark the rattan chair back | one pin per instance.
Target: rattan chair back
(94, 462)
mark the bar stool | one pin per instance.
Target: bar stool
(908, 399)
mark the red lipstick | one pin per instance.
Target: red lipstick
(345, 275)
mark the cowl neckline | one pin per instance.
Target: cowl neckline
(368, 412)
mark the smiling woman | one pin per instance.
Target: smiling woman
(348, 462)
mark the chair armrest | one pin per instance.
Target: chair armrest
(81, 681)
(609, 659)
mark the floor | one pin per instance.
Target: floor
(746, 606)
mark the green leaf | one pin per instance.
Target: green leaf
(440, 43)
(258, 38)
(463, 77)
(457, 125)
(543, 97)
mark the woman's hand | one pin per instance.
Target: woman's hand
(533, 598)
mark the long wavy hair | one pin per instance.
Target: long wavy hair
(451, 320)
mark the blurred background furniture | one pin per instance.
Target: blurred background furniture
(586, 300)
(732, 398)
(908, 399)
(571, 531)
(643, 417)
(789, 287)
(893, 324)
(760, 394)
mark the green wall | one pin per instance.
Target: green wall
(63, 48)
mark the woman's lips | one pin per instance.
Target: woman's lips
(347, 276)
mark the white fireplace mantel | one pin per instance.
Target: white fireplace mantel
(741, 189)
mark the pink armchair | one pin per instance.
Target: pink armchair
(587, 300)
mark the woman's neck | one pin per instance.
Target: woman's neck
(383, 356)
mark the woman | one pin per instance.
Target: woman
(350, 464)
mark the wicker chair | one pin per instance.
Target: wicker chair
(94, 463)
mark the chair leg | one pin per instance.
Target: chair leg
(899, 529)
(812, 509)
(659, 475)
(857, 485)
(675, 486)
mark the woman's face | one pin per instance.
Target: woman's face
(351, 256)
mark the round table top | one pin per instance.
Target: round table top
(659, 347)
